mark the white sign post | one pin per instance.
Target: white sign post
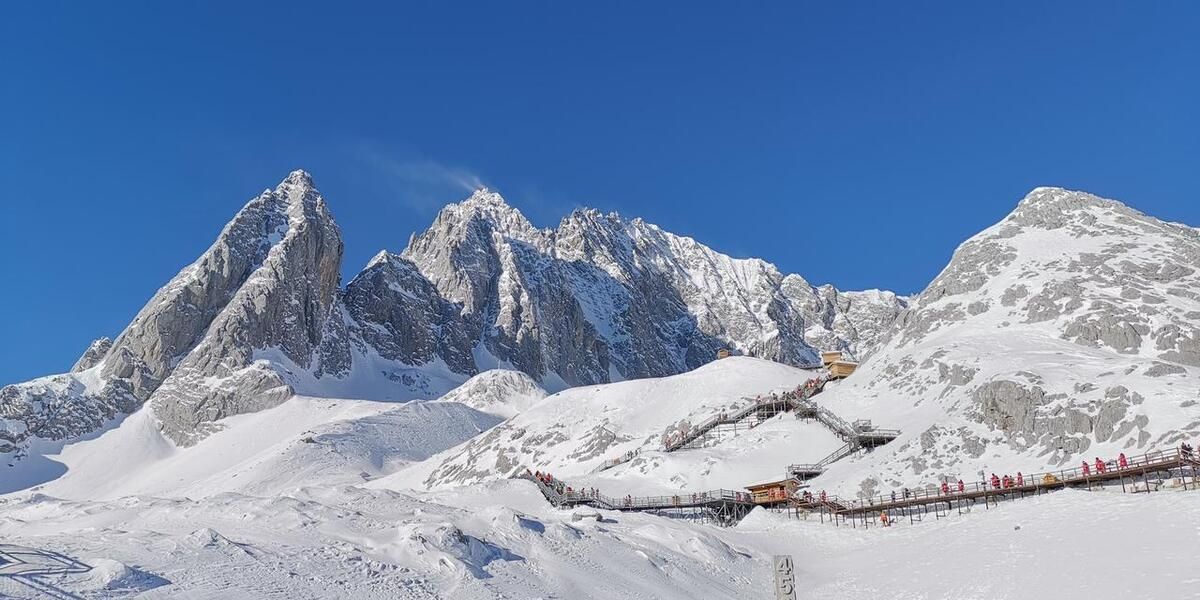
(785, 578)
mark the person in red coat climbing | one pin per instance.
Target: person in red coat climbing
(945, 488)
(961, 486)
(1122, 462)
(1020, 479)
(995, 481)
(1087, 469)
(1099, 466)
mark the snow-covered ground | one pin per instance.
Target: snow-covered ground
(324, 498)
(501, 540)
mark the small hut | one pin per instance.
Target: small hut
(829, 357)
(773, 492)
(723, 353)
(842, 368)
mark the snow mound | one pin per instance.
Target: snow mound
(499, 392)
(573, 431)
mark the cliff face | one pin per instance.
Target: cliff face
(260, 316)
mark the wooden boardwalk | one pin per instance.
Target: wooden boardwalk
(723, 507)
(857, 435)
(726, 507)
(1139, 475)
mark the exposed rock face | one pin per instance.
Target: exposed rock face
(1075, 320)
(259, 316)
(602, 296)
(93, 355)
(280, 308)
(267, 284)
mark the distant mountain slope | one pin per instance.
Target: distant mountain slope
(1068, 330)
(575, 430)
(260, 316)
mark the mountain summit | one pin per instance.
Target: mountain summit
(261, 316)
(1068, 328)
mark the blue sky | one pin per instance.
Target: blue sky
(885, 132)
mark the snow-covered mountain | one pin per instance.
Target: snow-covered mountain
(1068, 330)
(602, 298)
(260, 316)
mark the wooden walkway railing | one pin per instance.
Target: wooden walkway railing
(858, 433)
(725, 507)
(909, 501)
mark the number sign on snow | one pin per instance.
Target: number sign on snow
(785, 578)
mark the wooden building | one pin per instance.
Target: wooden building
(829, 357)
(842, 368)
(773, 492)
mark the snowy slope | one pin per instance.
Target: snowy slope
(1069, 330)
(570, 433)
(498, 392)
(502, 540)
(302, 441)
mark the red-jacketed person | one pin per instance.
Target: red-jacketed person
(961, 486)
(1099, 466)
(1087, 470)
(1122, 462)
(945, 488)
(1020, 479)
(995, 481)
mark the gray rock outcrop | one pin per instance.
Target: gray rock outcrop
(260, 316)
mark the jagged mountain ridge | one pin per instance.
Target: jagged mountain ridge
(1064, 332)
(260, 316)
(631, 299)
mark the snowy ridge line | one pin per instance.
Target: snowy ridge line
(1178, 464)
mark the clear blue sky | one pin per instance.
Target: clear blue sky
(130, 132)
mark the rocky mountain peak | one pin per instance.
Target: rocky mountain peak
(95, 353)
(1073, 322)
(261, 315)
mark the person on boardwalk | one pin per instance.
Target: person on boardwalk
(1020, 479)
(1122, 462)
(945, 488)
(962, 487)
(1186, 450)
(893, 495)
(995, 481)
(883, 518)
(1087, 470)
